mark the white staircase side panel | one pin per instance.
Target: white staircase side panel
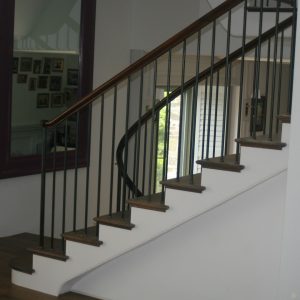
(54, 277)
(232, 252)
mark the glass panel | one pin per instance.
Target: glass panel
(45, 70)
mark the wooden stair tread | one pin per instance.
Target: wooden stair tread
(116, 220)
(151, 202)
(89, 238)
(23, 264)
(261, 142)
(184, 184)
(50, 253)
(284, 118)
(229, 163)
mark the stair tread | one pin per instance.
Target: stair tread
(285, 118)
(151, 202)
(50, 253)
(90, 237)
(23, 263)
(229, 163)
(116, 220)
(261, 142)
(184, 183)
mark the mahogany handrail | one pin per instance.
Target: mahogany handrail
(147, 59)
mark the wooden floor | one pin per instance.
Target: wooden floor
(14, 247)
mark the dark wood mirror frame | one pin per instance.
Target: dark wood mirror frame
(28, 165)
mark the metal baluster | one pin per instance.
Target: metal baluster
(292, 57)
(43, 189)
(257, 77)
(144, 159)
(267, 79)
(228, 110)
(112, 164)
(167, 124)
(53, 188)
(279, 81)
(181, 111)
(137, 171)
(100, 162)
(65, 182)
(216, 114)
(194, 110)
(88, 169)
(253, 101)
(204, 119)
(126, 147)
(76, 172)
(156, 151)
(152, 128)
(238, 148)
(226, 85)
(274, 75)
(211, 87)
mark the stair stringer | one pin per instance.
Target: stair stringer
(56, 277)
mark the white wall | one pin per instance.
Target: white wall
(231, 252)
(290, 267)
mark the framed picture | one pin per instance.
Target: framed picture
(22, 78)
(55, 83)
(70, 96)
(57, 100)
(43, 82)
(73, 77)
(32, 84)
(15, 65)
(57, 64)
(37, 66)
(42, 100)
(47, 65)
(26, 64)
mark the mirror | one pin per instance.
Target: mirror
(47, 62)
(45, 69)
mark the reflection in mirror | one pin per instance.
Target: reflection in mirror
(45, 71)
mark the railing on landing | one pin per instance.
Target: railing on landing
(221, 91)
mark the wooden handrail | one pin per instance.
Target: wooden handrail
(147, 59)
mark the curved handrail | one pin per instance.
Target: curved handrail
(147, 59)
(216, 67)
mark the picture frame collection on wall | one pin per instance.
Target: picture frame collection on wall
(47, 79)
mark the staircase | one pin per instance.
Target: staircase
(181, 132)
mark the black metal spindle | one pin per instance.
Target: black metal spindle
(43, 189)
(216, 114)
(100, 162)
(194, 110)
(152, 129)
(126, 146)
(53, 187)
(180, 133)
(228, 119)
(156, 151)
(279, 80)
(204, 119)
(145, 157)
(267, 79)
(87, 182)
(167, 126)
(65, 181)
(212, 62)
(226, 86)
(76, 172)
(238, 148)
(112, 163)
(137, 158)
(253, 100)
(274, 75)
(292, 56)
